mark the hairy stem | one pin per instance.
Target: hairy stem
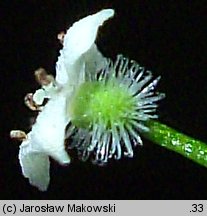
(173, 140)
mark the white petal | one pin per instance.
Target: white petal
(48, 133)
(80, 37)
(94, 60)
(35, 166)
(45, 139)
(78, 40)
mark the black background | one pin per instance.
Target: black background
(166, 37)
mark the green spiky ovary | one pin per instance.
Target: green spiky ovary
(104, 103)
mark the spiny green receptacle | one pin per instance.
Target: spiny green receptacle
(109, 110)
(105, 103)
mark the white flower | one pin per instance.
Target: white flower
(78, 56)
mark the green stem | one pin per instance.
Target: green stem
(173, 140)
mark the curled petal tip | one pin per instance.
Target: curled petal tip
(109, 12)
(35, 166)
(78, 39)
(62, 157)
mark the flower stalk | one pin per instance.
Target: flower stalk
(178, 142)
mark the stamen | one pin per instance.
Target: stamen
(42, 77)
(127, 142)
(61, 36)
(95, 137)
(116, 146)
(18, 135)
(150, 87)
(140, 126)
(134, 134)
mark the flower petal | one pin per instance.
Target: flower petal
(45, 139)
(94, 61)
(48, 133)
(35, 166)
(78, 40)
